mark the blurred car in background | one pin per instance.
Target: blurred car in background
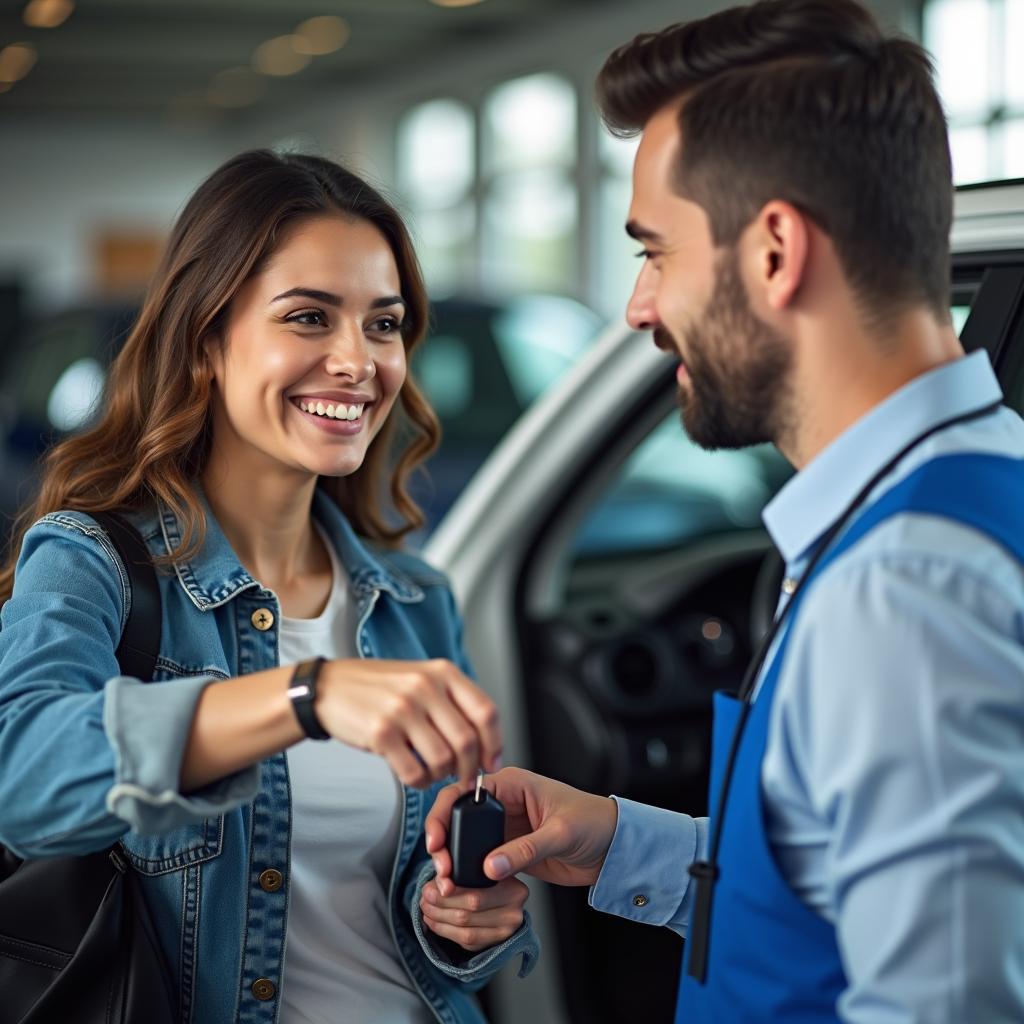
(613, 576)
(483, 363)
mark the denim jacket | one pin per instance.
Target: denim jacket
(89, 756)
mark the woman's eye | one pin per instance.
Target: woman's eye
(308, 318)
(386, 325)
(645, 254)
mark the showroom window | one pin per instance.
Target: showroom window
(519, 193)
(976, 48)
(436, 160)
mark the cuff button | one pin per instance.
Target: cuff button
(640, 900)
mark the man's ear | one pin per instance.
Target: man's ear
(780, 240)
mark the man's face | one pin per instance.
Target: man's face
(733, 378)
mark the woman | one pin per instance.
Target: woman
(247, 434)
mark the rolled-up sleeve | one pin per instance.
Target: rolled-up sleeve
(87, 753)
(644, 877)
(148, 726)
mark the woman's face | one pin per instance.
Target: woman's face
(312, 357)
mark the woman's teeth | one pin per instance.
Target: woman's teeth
(334, 412)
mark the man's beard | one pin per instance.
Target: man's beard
(739, 391)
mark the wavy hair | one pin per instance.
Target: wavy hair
(152, 439)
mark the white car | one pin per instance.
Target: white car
(612, 576)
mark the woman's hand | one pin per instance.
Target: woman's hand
(425, 717)
(476, 919)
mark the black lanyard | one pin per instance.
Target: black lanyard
(705, 872)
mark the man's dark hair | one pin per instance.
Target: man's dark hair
(809, 102)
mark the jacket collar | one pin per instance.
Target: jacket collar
(215, 575)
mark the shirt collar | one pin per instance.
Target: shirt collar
(813, 499)
(214, 575)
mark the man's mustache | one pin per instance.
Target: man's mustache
(664, 340)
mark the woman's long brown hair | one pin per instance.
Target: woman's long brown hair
(152, 439)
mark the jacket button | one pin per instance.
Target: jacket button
(262, 619)
(263, 989)
(271, 880)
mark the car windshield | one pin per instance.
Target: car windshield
(671, 491)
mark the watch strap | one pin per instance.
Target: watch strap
(302, 693)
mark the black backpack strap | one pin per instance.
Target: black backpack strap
(140, 640)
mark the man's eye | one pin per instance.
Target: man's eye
(308, 318)
(645, 254)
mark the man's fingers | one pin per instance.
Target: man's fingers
(523, 853)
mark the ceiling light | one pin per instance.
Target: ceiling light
(318, 36)
(279, 56)
(47, 13)
(16, 61)
(235, 87)
(455, 3)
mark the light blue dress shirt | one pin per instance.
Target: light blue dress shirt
(893, 778)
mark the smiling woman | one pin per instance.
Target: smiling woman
(291, 357)
(250, 434)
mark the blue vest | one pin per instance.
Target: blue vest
(770, 957)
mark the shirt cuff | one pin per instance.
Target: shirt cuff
(148, 725)
(644, 877)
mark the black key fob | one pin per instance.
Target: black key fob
(477, 827)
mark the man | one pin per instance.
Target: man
(866, 855)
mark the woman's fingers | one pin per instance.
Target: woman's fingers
(506, 893)
(409, 769)
(403, 709)
(498, 917)
(461, 737)
(482, 713)
(473, 939)
(475, 918)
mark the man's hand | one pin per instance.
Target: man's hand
(552, 831)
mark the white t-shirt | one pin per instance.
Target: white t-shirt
(340, 961)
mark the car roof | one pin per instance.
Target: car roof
(988, 217)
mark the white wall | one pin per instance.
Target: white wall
(59, 185)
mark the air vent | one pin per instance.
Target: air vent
(635, 668)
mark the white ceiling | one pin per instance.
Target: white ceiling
(139, 58)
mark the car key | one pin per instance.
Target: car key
(477, 827)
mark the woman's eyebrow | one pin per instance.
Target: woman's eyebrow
(310, 293)
(330, 299)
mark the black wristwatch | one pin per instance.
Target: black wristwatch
(302, 693)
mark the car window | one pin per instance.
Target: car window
(482, 364)
(671, 492)
(539, 337)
